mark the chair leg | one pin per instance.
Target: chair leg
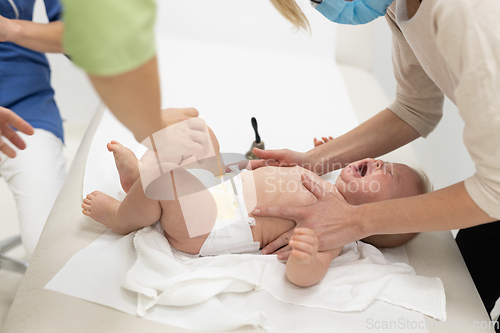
(12, 264)
(9, 263)
(9, 243)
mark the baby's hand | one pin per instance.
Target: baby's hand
(319, 142)
(304, 246)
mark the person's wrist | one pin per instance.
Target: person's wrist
(314, 161)
(361, 217)
(13, 31)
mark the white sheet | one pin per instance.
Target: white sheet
(96, 273)
(358, 276)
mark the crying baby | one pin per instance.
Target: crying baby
(215, 220)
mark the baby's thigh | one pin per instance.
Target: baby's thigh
(189, 219)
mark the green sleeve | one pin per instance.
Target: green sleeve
(109, 37)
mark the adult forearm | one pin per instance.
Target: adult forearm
(389, 240)
(377, 136)
(45, 38)
(445, 209)
(134, 98)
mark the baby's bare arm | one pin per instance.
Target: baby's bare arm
(306, 266)
(310, 274)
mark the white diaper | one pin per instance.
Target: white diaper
(231, 232)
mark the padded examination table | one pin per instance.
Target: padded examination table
(68, 231)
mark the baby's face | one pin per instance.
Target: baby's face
(371, 180)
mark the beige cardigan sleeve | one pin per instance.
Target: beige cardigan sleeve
(468, 36)
(419, 102)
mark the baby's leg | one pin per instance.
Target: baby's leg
(188, 227)
(134, 212)
(126, 163)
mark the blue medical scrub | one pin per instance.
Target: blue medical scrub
(25, 74)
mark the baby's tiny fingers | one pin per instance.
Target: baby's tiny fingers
(305, 238)
(302, 256)
(302, 246)
(317, 142)
(304, 231)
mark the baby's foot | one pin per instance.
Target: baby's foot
(126, 163)
(101, 208)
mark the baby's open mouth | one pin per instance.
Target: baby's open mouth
(362, 169)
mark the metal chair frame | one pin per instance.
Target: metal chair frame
(7, 262)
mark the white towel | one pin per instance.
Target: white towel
(360, 275)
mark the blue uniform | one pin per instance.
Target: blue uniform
(25, 74)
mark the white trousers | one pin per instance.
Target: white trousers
(34, 176)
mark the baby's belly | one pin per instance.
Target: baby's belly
(268, 186)
(274, 187)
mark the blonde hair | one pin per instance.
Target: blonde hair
(426, 185)
(292, 12)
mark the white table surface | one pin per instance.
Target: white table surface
(67, 231)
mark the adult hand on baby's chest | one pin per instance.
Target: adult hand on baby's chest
(330, 218)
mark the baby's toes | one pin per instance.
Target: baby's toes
(114, 146)
(92, 195)
(87, 201)
(86, 204)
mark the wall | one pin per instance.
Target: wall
(443, 154)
